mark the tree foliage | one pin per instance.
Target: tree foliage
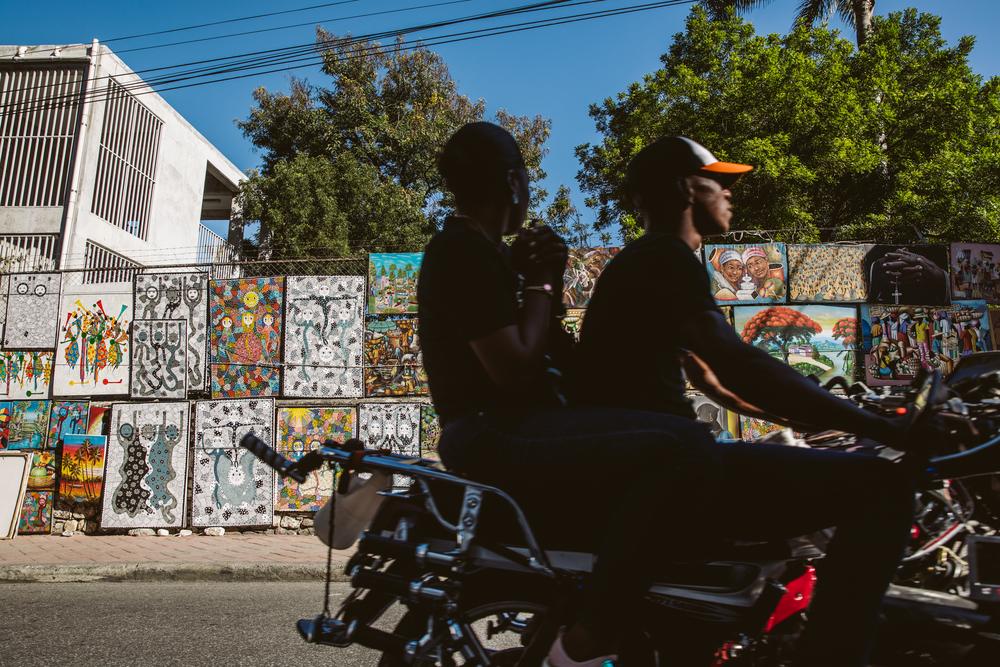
(893, 141)
(353, 164)
(856, 13)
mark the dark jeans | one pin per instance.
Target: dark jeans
(632, 480)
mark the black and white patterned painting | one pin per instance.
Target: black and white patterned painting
(146, 477)
(184, 296)
(391, 426)
(324, 336)
(232, 487)
(32, 311)
(159, 354)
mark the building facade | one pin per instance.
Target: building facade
(98, 172)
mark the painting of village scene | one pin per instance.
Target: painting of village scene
(747, 272)
(583, 267)
(28, 425)
(392, 282)
(81, 474)
(975, 271)
(900, 340)
(815, 340)
(393, 361)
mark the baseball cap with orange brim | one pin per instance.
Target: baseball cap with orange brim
(679, 157)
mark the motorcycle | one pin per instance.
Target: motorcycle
(479, 588)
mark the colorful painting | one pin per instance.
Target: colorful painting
(725, 425)
(81, 473)
(392, 282)
(97, 420)
(430, 432)
(36, 514)
(67, 418)
(975, 271)
(995, 326)
(753, 428)
(93, 353)
(246, 316)
(747, 273)
(171, 296)
(25, 374)
(583, 268)
(814, 340)
(301, 430)
(28, 425)
(324, 335)
(42, 476)
(159, 359)
(572, 322)
(232, 487)
(32, 311)
(827, 272)
(4, 287)
(393, 361)
(146, 478)
(899, 274)
(900, 340)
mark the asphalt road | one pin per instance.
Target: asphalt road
(161, 624)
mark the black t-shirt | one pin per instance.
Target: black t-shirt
(629, 354)
(466, 290)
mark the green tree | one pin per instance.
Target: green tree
(895, 141)
(856, 13)
(352, 165)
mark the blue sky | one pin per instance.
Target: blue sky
(556, 72)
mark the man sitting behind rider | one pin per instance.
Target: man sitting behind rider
(656, 283)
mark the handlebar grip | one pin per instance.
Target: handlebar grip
(263, 451)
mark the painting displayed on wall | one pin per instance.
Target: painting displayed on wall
(172, 296)
(246, 317)
(430, 432)
(25, 374)
(42, 476)
(995, 326)
(32, 311)
(66, 418)
(753, 428)
(159, 359)
(36, 514)
(572, 322)
(725, 425)
(231, 487)
(975, 271)
(583, 267)
(81, 473)
(393, 360)
(392, 282)
(98, 419)
(907, 274)
(92, 357)
(301, 430)
(28, 425)
(827, 272)
(747, 273)
(391, 426)
(818, 340)
(324, 335)
(146, 477)
(900, 340)
(4, 286)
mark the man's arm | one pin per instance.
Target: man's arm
(775, 387)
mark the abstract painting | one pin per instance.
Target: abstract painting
(747, 273)
(900, 274)
(900, 340)
(92, 357)
(391, 426)
(42, 476)
(81, 472)
(246, 317)
(393, 361)
(25, 374)
(66, 418)
(301, 430)
(231, 487)
(583, 267)
(28, 425)
(159, 359)
(324, 335)
(392, 282)
(36, 514)
(32, 311)
(816, 340)
(975, 271)
(725, 425)
(146, 477)
(827, 272)
(753, 428)
(171, 296)
(430, 432)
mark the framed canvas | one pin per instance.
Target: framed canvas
(583, 268)
(81, 470)
(92, 357)
(392, 282)
(25, 374)
(32, 311)
(393, 360)
(14, 467)
(28, 425)
(430, 432)
(975, 271)
(36, 513)
(42, 476)
(246, 324)
(301, 430)
(827, 272)
(66, 418)
(907, 274)
(171, 296)
(159, 359)
(747, 273)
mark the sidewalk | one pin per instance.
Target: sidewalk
(238, 557)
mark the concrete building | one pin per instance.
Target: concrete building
(98, 172)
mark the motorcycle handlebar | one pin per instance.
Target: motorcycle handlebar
(265, 453)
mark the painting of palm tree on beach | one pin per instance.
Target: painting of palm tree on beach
(82, 470)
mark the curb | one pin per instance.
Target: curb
(149, 572)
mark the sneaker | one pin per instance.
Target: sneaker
(557, 658)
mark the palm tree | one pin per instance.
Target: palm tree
(856, 13)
